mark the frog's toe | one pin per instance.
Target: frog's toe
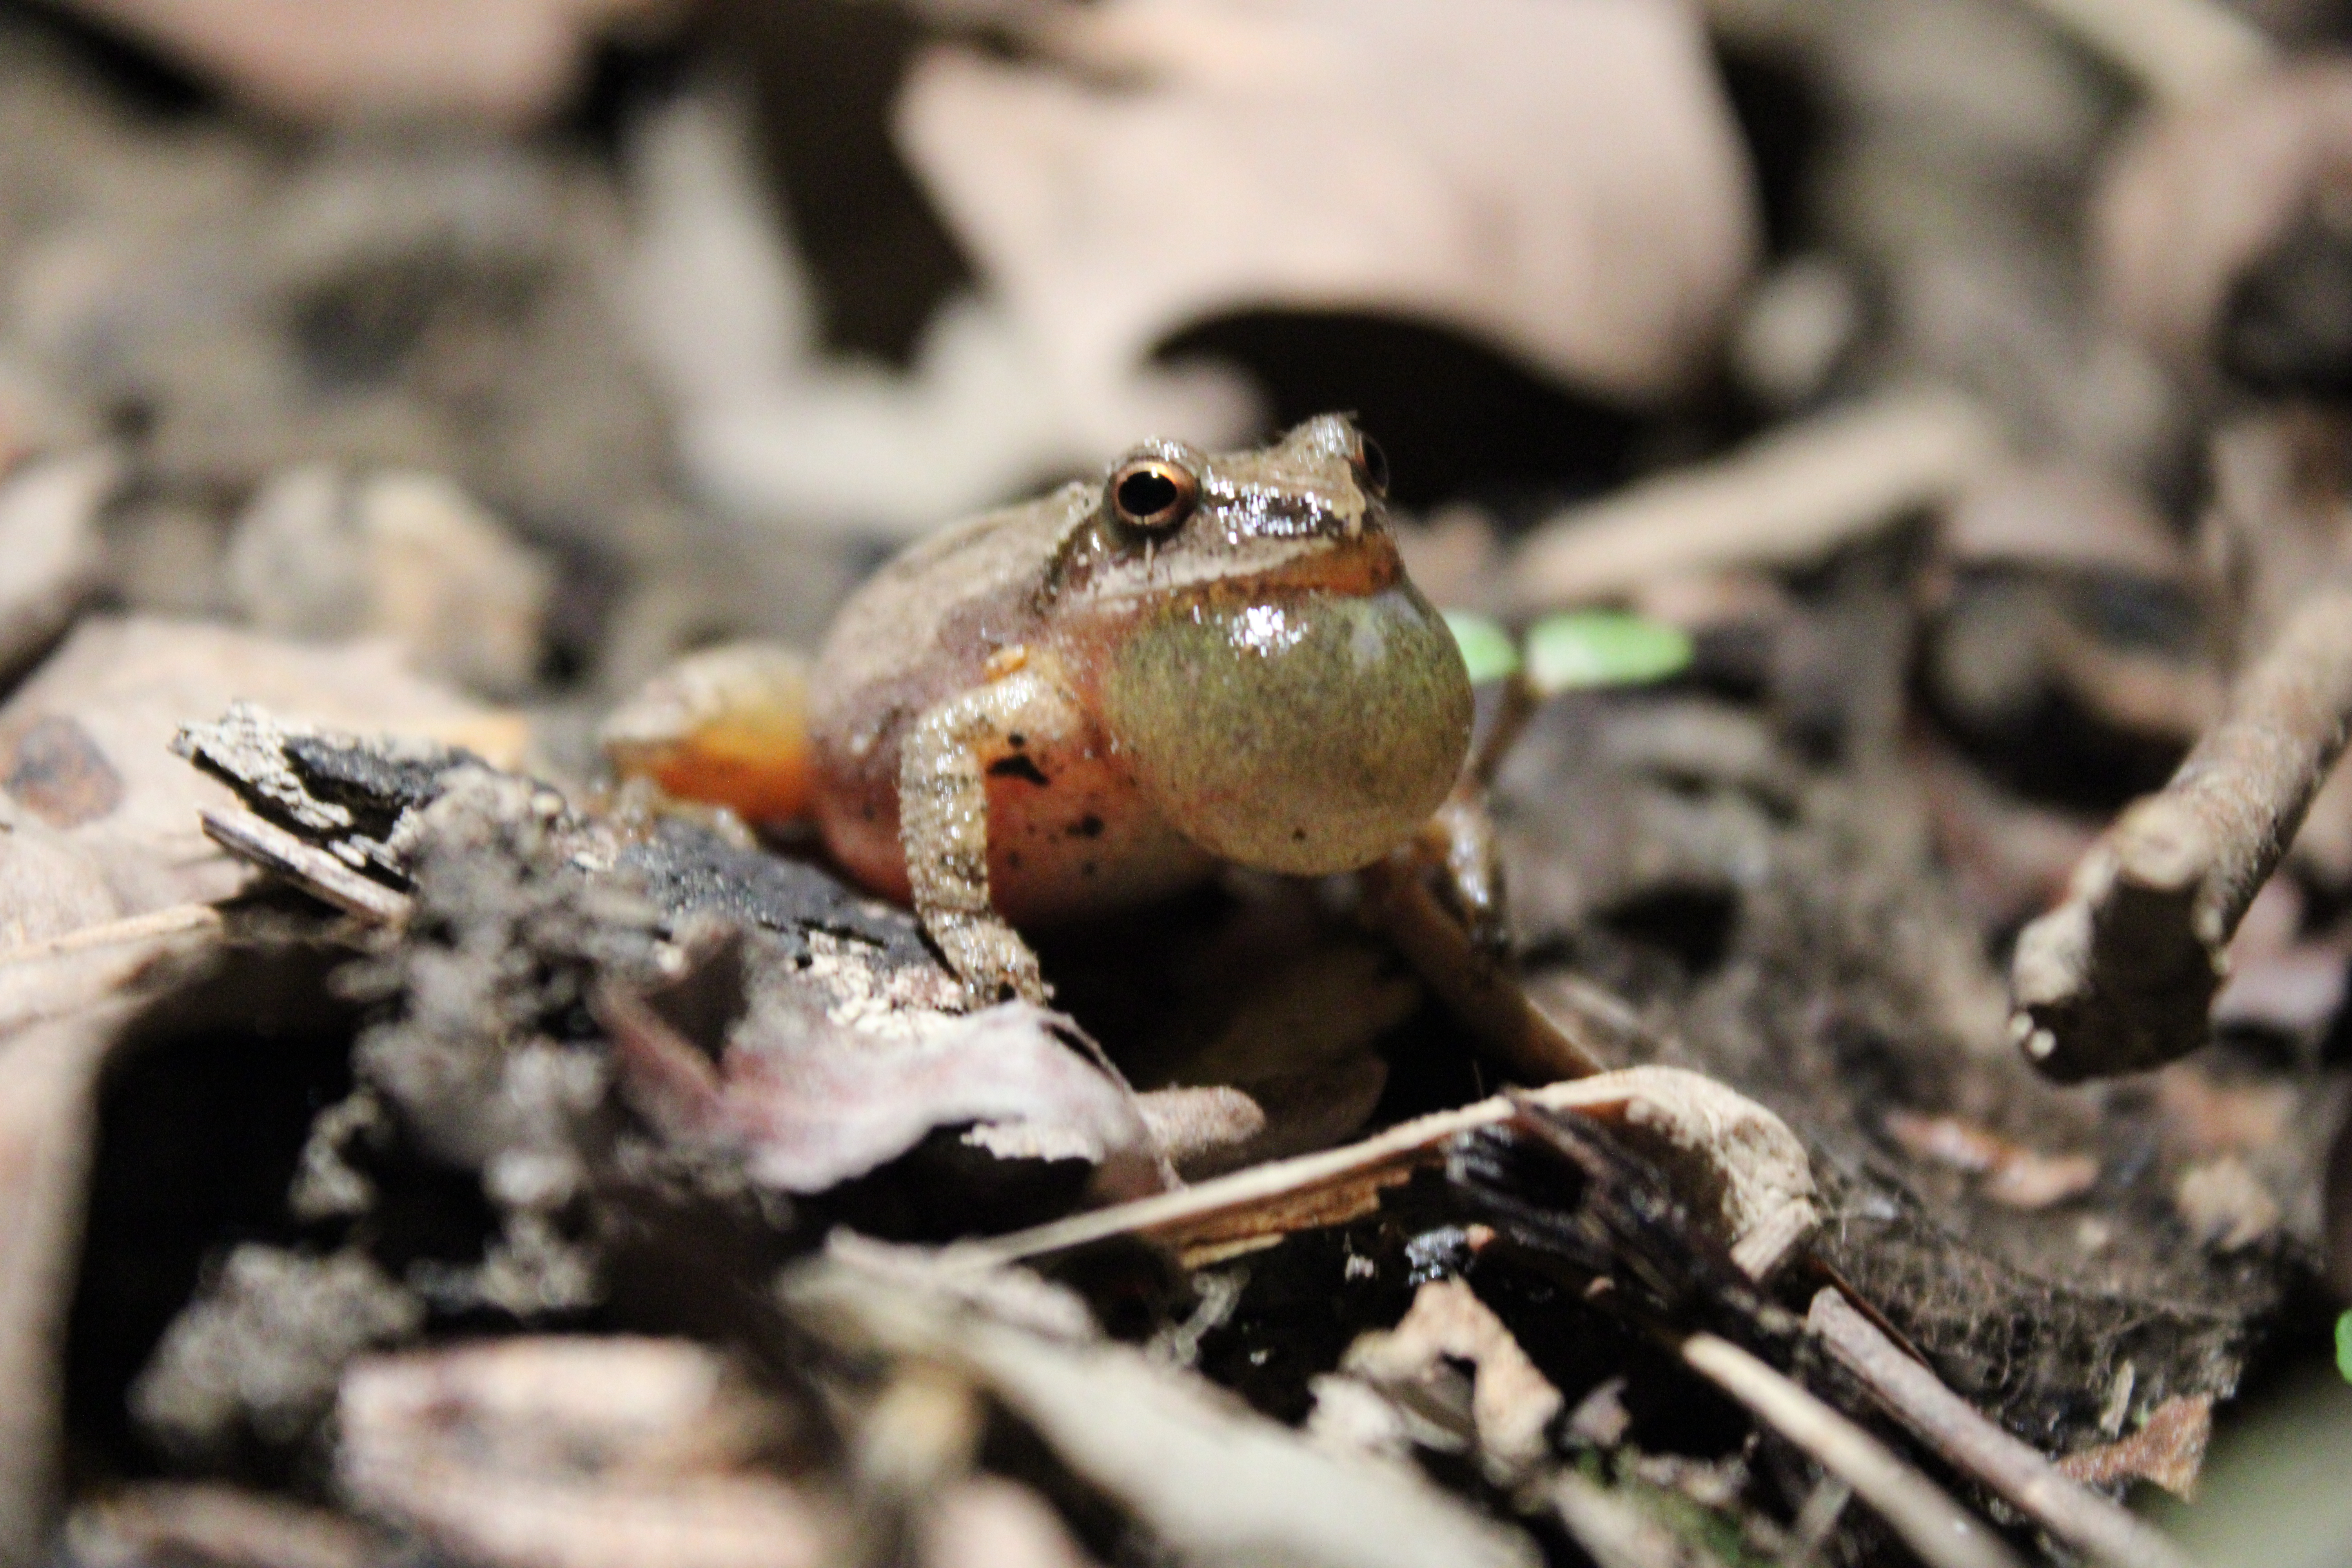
(993, 962)
(727, 725)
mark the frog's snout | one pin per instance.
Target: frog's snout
(1307, 733)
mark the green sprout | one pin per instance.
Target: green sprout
(1485, 647)
(1586, 649)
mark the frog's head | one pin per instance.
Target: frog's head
(1287, 698)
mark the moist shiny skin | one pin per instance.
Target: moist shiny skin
(1259, 685)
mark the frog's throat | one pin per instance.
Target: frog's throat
(1309, 731)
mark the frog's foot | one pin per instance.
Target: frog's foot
(727, 726)
(991, 958)
(943, 826)
(1460, 845)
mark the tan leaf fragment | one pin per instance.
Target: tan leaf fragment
(2169, 1450)
(575, 1452)
(1512, 1404)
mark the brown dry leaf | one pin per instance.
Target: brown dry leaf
(168, 1521)
(2169, 1450)
(2225, 1206)
(1216, 1484)
(1512, 1404)
(2203, 1117)
(989, 1523)
(812, 1102)
(48, 1124)
(49, 546)
(2192, 198)
(2014, 1175)
(576, 1453)
(106, 817)
(1495, 166)
(506, 61)
(2064, 515)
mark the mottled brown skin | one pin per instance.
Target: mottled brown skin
(1259, 683)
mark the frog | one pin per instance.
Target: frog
(1105, 695)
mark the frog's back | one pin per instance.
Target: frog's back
(922, 626)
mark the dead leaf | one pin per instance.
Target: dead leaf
(1216, 1483)
(1485, 165)
(49, 547)
(510, 61)
(989, 1523)
(1512, 1404)
(108, 819)
(812, 1102)
(209, 1523)
(576, 1452)
(2169, 1450)
(2225, 1206)
(48, 1124)
(2014, 1175)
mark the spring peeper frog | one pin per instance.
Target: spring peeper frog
(1095, 698)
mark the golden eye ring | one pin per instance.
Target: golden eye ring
(1151, 494)
(1371, 465)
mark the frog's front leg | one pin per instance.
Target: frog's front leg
(943, 823)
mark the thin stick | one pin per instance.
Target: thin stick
(309, 868)
(1788, 497)
(168, 922)
(2121, 976)
(1267, 1202)
(1955, 1429)
(1943, 1534)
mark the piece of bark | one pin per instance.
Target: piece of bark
(2121, 976)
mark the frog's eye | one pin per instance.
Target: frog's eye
(1371, 465)
(1153, 494)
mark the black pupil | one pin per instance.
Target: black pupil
(1146, 493)
(1376, 465)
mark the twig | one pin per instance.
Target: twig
(1760, 1166)
(2179, 51)
(1788, 497)
(309, 868)
(1954, 1429)
(2120, 975)
(1943, 1534)
(161, 922)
